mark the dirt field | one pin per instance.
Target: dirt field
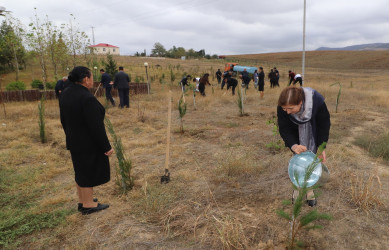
(226, 184)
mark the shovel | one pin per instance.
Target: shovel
(166, 177)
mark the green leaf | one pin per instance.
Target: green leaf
(283, 214)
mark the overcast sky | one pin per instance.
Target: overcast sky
(222, 27)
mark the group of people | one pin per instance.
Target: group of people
(199, 81)
(121, 82)
(303, 120)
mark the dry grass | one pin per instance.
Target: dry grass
(366, 192)
(225, 184)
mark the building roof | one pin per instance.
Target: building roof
(103, 45)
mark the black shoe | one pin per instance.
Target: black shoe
(89, 210)
(312, 203)
(80, 204)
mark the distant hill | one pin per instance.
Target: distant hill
(361, 47)
(351, 60)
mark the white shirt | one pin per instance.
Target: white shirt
(297, 75)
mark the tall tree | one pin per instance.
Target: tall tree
(11, 43)
(159, 49)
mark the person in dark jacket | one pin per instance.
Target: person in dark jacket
(231, 83)
(218, 76)
(291, 77)
(273, 78)
(261, 82)
(304, 123)
(82, 118)
(203, 81)
(245, 78)
(121, 82)
(184, 81)
(226, 75)
(277, 77)
(107, 84)
(60, 86)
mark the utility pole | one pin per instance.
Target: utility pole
(93, 35)
(303, 66)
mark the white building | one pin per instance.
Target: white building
(105, 48)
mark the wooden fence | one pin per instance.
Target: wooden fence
(36, 94)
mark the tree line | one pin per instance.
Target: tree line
(176, 52)
(57, 46)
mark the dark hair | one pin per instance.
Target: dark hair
(188, 76)
(121, 68)
(291, 96)
(260, 67)
(78, 74)
(102, 70)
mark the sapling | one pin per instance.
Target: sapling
(338, 97)
(276, 144)
(123, 171)
(194, 97)
(297, 219)
(182, 111)
(42, 129)
(239, 102)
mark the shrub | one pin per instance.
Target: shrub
(50, 85)
(35, 84)
(18, 85)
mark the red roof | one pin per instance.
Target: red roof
(103, 45)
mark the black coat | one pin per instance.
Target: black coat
(105, 80)
(261, 77)
(121, 80)
(82, 118)
(320, 123)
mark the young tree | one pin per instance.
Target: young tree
(51, 38)
(77, 41)
(110, 65)
(37, 41)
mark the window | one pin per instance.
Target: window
(114, 50)
(103, 49)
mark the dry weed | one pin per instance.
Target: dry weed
(366, 192)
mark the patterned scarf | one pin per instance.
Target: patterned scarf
(302, 119)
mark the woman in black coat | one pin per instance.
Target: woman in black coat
(304, 122)
(82, 118)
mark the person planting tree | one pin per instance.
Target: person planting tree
(304, 123)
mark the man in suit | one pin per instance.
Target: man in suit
(107, 84)
(121, 82)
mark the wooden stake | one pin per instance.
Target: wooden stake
(169, 121)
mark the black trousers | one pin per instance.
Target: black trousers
(124, 95)
(202, 89)
(223, 83)
(298, 79)
(232, 86)
(108, 95)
